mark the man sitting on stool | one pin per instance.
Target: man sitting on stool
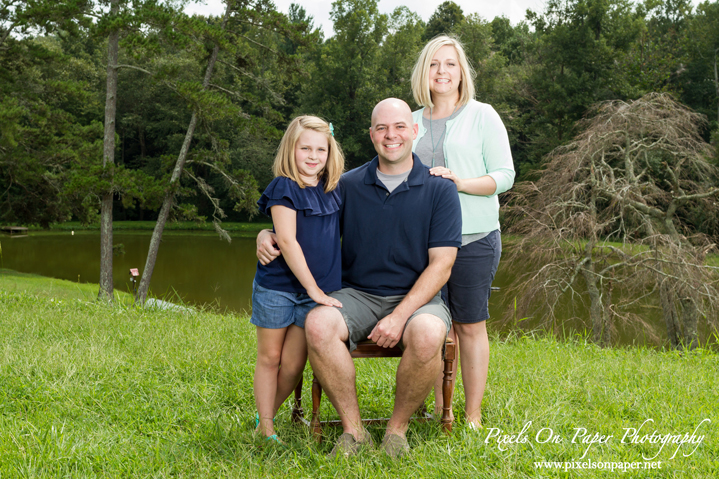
(401, 228)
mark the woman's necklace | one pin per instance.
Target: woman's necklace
(431, 133)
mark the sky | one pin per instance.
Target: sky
(320, 9)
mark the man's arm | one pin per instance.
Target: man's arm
(266, 251)
(388, 330)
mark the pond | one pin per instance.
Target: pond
(196, 268)
(199, 268)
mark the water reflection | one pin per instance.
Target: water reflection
(197, 267)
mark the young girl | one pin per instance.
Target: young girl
(304, 205)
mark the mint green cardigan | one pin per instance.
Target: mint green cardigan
(476, 144)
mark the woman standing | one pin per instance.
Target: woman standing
(464, 140)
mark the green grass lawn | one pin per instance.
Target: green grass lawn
(51, 288)
(89, 390)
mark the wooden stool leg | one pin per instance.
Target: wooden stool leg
(315, 426)
(447, 389)
(297, 412)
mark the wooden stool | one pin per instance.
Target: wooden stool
(368, 349)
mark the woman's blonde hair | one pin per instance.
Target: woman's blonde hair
(420, 74)
(285, 164)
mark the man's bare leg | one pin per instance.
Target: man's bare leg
(331, 362)
(420, 364)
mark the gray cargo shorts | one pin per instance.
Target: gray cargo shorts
(362, 311)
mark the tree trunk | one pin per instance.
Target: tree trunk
(669, 221)
(667, 296)
(108, 162)
(144, 286)
(608, 315)
(716, 80)
(596, 308)
(690, 320)
(629, 161)
(167, 204)
(7, 33)
(141, 137)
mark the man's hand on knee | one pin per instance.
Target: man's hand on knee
(388, 331)
(266, 247)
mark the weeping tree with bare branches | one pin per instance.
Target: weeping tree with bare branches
(614, 208)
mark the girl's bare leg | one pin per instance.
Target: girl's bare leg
(292, 364)
(270, 343)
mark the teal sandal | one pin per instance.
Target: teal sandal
(257, 420)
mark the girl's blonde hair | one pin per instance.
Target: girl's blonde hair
(420, 74)
(285, 164)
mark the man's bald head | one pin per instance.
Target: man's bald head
(392, 106)
(392, 133)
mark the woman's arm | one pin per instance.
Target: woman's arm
(285, 221)
(482, 186)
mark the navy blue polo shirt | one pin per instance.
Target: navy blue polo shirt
(386, 236)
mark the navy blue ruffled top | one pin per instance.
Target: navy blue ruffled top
(318, 233)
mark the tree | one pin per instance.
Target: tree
(344, 84)
(701, 77)
(503, 80)
(443, 20)
(237, 85)
(654, 61)
(135, 21)
(108, 156)
(477, 37)
(510, 41)
(631, 176)
(54, 158)
(398, 54)
(39, 16)
(578, 42)
(43, 135)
